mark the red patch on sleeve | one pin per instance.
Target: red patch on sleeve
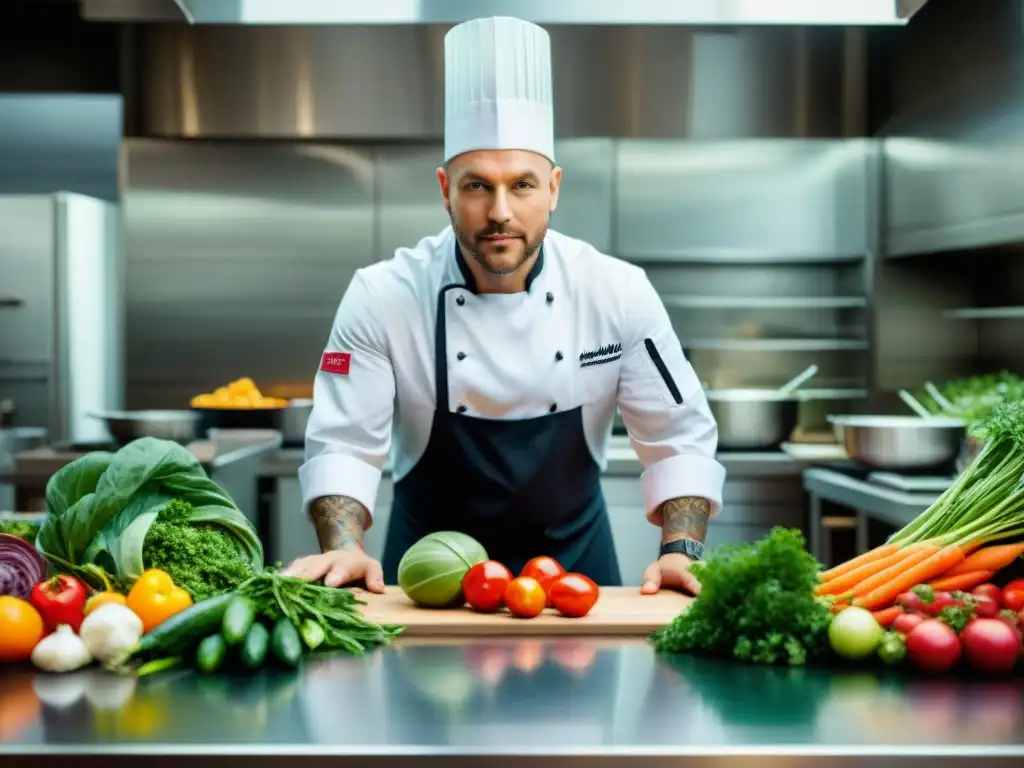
(336, 362)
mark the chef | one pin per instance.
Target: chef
(489, 360)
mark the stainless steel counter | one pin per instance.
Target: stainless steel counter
(532, 701)
(622, 461)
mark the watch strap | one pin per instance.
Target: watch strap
(689, 547)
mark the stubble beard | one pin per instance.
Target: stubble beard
(466, 242)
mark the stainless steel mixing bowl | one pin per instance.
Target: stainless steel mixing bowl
(907, 443)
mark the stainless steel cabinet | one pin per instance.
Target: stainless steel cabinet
(61, 350)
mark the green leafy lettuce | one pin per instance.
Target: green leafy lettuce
(102, 506)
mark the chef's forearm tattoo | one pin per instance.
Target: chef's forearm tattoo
(340, 522)
(685, 518)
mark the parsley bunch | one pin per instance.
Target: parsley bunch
(757, 604)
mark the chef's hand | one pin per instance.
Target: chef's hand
(671, 571)
(339, 567)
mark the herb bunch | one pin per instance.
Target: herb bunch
(757, 605)
(335, 611)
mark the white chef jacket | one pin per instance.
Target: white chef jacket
(583, 334)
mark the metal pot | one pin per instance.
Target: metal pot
(907, 443)
(291, 421)
(125, 426)
(753, 419)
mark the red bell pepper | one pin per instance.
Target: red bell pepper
(60, 600)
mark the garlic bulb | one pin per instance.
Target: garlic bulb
(111, 633)
(63, 651)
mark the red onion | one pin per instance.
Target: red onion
(21, 566)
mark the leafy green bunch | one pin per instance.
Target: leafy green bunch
(756, 604)
(102, 507)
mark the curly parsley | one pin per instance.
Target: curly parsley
(203, 558)
(757, 604)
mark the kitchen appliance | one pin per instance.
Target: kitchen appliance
(900, 443)
(753, 419)
(125, 426)
(61, 299)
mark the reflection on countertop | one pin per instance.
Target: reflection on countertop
(505, 696)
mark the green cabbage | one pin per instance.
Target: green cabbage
(101, 506)
(431, 571)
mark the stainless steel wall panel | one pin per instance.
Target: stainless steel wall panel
(768, 198)
(387, 82)
(409, 205)
(237, 258)
(585, 204)
(60, 142)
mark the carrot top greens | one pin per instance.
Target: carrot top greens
(986, 503)
(756, 604)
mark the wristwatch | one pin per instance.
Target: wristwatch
(692, 549)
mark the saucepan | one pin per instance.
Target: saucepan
(757, 419)
(125, 426)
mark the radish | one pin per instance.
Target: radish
(990, 645)
(933, 646)
(934, 608)
(906, 622)
(991, 591)
(985, 607)
(911, 601)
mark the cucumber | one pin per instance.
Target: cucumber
(238, 619)
(286, 643)
(210, 653)
(179, 634)
(255, 645)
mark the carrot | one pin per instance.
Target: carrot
(888, 615)
(938, 563)
(850, 579)
(871, 555)
(961, 581)
(919, 555)
(993, 558)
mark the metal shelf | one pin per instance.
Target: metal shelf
(764, 302)
(776, 345)
(738, 256)
(984, 313)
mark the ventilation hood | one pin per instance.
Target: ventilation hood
(589, 12)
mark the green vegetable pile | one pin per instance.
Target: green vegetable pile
(756, 604)
(21, 529)
(103, 506)
(203, 558)
(974, 398)
(269, 617)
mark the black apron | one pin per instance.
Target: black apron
(521, 488)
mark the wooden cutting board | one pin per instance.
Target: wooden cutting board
(619, 611)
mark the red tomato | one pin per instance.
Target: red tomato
(543, 569)
(484, 585)
(60, 600)
(1013, 598)
(1015, 584)
(906, 622)
(910, 601)
(573, 594)
(991, 591)
(525, 597)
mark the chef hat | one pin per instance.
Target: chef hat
(497, 83)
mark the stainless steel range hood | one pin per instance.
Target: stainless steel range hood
(590, 12)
